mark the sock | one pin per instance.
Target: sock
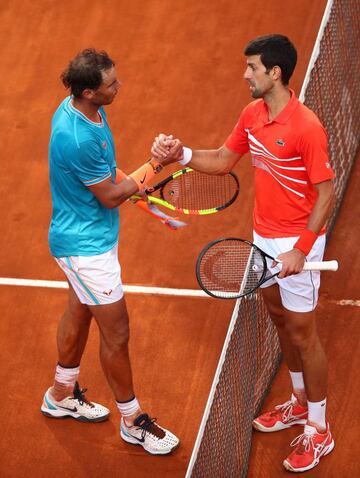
(317, 412)
(64, 382)
(297, 379)
(128, 408)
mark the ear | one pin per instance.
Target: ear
(276, 73)
(88, 94)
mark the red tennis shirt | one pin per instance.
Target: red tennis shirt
(290, 155)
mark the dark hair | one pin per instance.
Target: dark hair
(85, 71)
(274, 50)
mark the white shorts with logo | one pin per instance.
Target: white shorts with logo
(96, 280)
(299, 292)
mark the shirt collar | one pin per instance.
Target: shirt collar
(284, 115)
(74, 110)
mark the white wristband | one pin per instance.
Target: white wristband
(187, 156)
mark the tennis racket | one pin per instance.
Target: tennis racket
(230, 268)
(191, 192)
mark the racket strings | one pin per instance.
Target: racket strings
(230, 268)
(198, 191)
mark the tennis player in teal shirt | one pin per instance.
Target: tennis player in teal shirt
(81, 154)
(83, 239)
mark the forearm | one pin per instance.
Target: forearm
(322, 209)
(318, 217)
(208, 161)
(213, 161)
(122, 191)
(112, 195)
(116, 194)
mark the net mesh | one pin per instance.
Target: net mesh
(252, 356)
(333, 91)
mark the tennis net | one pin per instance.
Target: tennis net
(331, 88)
(251, 352)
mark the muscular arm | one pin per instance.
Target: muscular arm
(323, 205)
(214, 161)
(111, 195)
(210, 161)
(293, 261)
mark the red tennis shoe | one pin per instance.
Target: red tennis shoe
(309, 448)
(283, 416)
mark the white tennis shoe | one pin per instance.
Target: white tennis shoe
(152, 437)
(76, 406)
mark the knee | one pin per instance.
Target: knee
(80, 316)
(117, 342)
(302, 337)
(121, 340)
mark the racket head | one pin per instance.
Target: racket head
(230, 268)
(193, 192)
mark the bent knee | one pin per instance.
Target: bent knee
(117, 341)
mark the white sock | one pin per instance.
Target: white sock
(128, 408)
(317, 412)
(297, 379)
(67, 376)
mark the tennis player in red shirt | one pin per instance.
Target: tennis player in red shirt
(293, 198)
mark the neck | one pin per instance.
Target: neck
(88, 109)
(276, 100)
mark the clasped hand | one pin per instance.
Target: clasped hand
(166, 149)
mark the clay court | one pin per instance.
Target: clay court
(181, 65)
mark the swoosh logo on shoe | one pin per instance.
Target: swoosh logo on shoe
(74, 409)
(141, 440)
(143, 179)
(138, 439)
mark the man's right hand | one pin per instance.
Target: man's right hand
(166, 149)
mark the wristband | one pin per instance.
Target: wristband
(145, 173)
(306, 241)
(120, 175)
(187, 155)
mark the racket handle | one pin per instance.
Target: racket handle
(321, 266)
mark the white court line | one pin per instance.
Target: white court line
(134, 289)
(355, 303)
(130, 289)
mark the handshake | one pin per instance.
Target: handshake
(166, 149)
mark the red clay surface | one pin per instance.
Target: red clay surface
(181, 65)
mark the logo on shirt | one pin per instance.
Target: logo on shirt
(328, 165)
(104, 145)
(107, 292)
(280, 142)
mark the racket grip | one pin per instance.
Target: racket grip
(321, 266)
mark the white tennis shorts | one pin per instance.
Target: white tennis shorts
(95, 279)
(299, 292)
